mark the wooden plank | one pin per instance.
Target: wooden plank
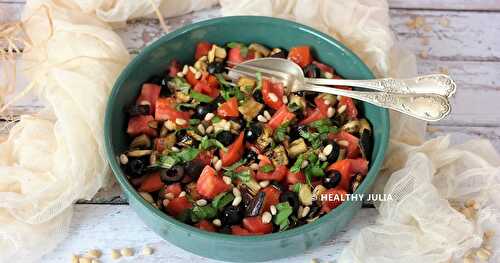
(450, 35)
(484, 5)
(109, 227)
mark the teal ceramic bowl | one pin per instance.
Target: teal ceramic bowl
(180, 45)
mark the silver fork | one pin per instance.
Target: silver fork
(422, 105)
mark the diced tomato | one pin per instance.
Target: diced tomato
(272, 197)
(151, 183)
(300, 55)
(175, 189)
(174, 68)
(209, 185)
(278, 174)
(293, 178)
(150, 93)
(323, 67)
(255, 225)
(332, 198)
(234, 151)
(240, 231)
(281, 116)
(139, 124)
(234, 56)
(202, 49)
(205, 157)
(165, 110)
(229, 108)
(353, 150)
(348, 168)
(205, 225)
(315, 115)
(178, 205)
(268, 89)
(320, 104)
(351, 110)
(191, 79)
(208, 85)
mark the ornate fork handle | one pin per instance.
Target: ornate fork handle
(436, 84)
(429, 107)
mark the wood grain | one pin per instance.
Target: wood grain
(486, 5)
(109, 227)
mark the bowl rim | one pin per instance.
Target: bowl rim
(124, 183)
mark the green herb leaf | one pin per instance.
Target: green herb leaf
(298, 164)
(180, 84)
(243, 51)
(233, 44)
(203, 212)
(235, 165)
(208, 143)
(216, 119)
(188, 154)
(194, 122)
(313, 138)
(284, 211)
(281, 131)
(201, 97)
(244, 176)
(224, 83)
(167, 161)
(258, 77)
(267, 168)
(296, 187)
(221, 200)
(324, 126)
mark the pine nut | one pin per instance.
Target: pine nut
(169, 196)
(305, 211)
(180, 75)
(185, 70)
(210, 129)
(115, 254)
(330, 112)
(220, 52)
(341, 109)
(264, 184)
(267, 115)
(218, 165)
(322, 157)
(192, 69)
(201, 128)
(174, 149)
(227, 126)
(237, 200)
(254, 166)
(146, 197)
(144, 102)
(261, 119)
(209, 116)
(266, 217)
(180, 122)
(215, 159)
(226, 179)
(182, 194)
(197, 75)
(285, 99)
(299, 211)
(217, 222)
(165, 202)
(147, 251)
(170, 125)
(328, 149)
(127, 252)
(305, 163)
(273, 97)
(328, 75)
(123, 159)
(201, 202)
(343, 143)
(236, 192)
(273, 210)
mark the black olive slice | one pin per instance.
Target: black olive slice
(365, 144)
(172, 175)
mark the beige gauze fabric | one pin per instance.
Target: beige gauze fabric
(49, 161)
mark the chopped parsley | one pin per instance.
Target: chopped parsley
(281, 131)
(284, 211)
(201, 97)
(185, 155)
(267, 168)
(180, 84)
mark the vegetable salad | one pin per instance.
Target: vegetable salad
(243, 156)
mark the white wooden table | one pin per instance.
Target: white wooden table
(462, 38)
